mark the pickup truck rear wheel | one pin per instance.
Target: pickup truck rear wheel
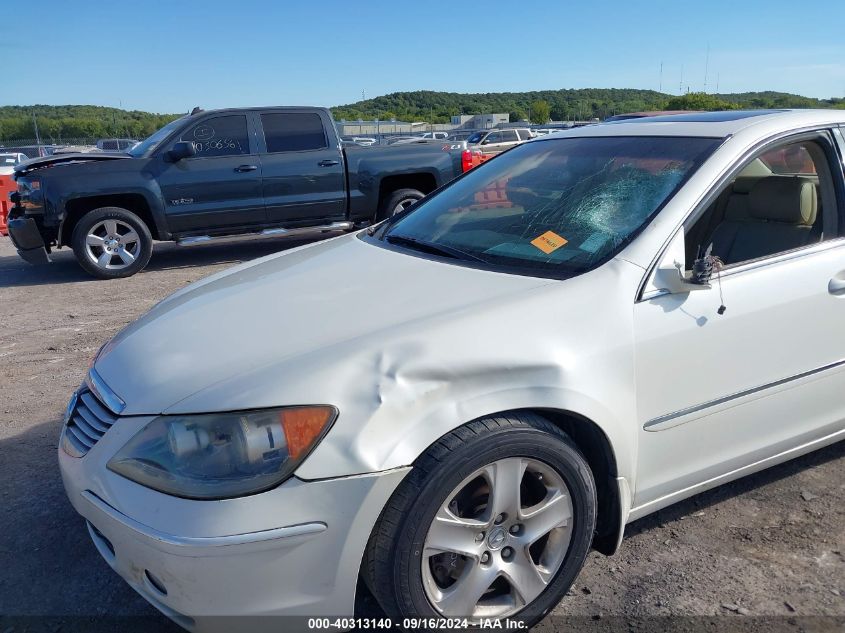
(111, 242)
(398, 201)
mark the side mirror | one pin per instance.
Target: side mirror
(669, 274)
(672, 278)
(182, 149)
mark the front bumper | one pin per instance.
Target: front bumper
(27, 239)
(267, 561)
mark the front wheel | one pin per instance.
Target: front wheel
(494, 521)
(111, 242)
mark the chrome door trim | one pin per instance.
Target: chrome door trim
(669, 420)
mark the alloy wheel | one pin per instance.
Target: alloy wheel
(112, 244)
(498, 540)
(403, 204)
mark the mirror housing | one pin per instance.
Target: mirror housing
(672, 279)
(180, 150)
(669, 275)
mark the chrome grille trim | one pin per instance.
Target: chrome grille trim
(101, 390)
(87, 423)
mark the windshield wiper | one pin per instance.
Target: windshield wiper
(434, 249)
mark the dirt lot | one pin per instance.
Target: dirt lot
(770, 546)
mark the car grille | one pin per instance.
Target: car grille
(88, 422)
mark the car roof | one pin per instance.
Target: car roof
(710, 124)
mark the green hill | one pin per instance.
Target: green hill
(437, 107)
(77, 121)
(56, 123)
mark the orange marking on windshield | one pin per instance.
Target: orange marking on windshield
(549, 242)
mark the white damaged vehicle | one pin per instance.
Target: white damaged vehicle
(457, 404)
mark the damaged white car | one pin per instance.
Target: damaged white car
(456, 405)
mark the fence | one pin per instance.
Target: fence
(32, 148)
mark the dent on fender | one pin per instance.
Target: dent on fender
(429, 400)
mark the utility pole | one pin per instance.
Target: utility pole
(681, 83)
(660, 84)
(706, 67)
(37, 136)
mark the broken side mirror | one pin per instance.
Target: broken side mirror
(180, 150)
(670, 274)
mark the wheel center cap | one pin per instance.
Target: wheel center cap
(497, 537)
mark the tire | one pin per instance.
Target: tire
(402, 566)
(111, 242)
(398, 201)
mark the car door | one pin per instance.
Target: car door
(219, 187)
(304, 177)
(509, 139)
(492, 143)
(721, 389)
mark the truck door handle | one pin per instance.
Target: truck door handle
(246, 167)
(328, 163)
(836, 286)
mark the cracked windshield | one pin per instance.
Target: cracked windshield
(552, 207)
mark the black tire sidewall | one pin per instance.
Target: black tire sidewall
(522, 442)
(389, 204)
(83, 226)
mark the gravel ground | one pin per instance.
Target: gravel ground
(762, 553)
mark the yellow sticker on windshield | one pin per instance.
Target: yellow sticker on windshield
(549, 242)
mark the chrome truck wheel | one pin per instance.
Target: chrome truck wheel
(112, 245)
(111, 242)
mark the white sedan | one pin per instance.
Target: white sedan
(457, 404)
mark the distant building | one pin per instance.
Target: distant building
(480, 121)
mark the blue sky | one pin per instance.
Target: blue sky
(170, 56)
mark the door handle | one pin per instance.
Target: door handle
(246, 167)
(836, 286)
(328, 163)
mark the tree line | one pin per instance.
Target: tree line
(562, 105)
(56, 123)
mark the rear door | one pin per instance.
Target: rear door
(220, 187)
(509, 139)
(304, 177)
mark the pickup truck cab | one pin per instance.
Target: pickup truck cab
(271, 171)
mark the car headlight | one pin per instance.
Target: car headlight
(222, 455)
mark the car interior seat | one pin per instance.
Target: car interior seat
(779, 214)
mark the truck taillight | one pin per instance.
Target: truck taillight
(466, 160)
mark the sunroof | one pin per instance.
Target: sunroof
(711, 117)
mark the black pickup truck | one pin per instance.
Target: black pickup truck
(280, 170)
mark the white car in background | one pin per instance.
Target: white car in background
(498, 140)
(457, 404)
(9, 160)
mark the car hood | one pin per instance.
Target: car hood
(48, 161)
(265, 317)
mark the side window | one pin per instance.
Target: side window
(509, 136)
(782, 199)
(524, 135)
(494, 137)
(293, 132)
(220, 136)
